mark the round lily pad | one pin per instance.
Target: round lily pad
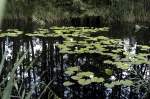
(68, 83)
(84, 82)
(108, 71)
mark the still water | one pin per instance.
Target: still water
(49, 65)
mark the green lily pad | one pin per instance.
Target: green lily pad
(76, 77)
(75, 68)
(97, 80)
(84, 82)
(108, 71)
(116, 83)
(104, 29)
(122, 65)
(108, 62)
(68, 83)
(145, 47)
(85, 74)
(108, 85)
(126, 82)
(69, 73)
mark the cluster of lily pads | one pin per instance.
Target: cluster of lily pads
(81, 40)
(82, 78)
(92, 42)
(11, 33)
(119, 82)
(86, 78)
(53, 32)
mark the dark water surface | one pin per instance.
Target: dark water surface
(48, 65)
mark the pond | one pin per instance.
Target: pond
(79, 62)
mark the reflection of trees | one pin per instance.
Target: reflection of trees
(130, 45)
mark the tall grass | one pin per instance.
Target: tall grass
(9, 84)
(130, 10)
(6, 94)
(134, 11)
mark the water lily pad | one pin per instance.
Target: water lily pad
(68, 83)
(84, 82)
(116, 83)
(126, 82)
(109, 85)
(108, 62)
(85, 74)
(75, 68)
(145, 47)
(97, 80)
(108, 71)
(122, 65)
(69, 73)
(104, 29)
(76, 77)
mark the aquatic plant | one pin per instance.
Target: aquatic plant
(97, 79)
(68, 83)
(84, 82)
(119, 82)
(83, 78)
(104, 29)
(120, 65)
(11, 33)
(71, 70)
(108, 71)
(76, 77)
(85, 74)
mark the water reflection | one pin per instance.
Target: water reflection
(53, 64)
(130, 45)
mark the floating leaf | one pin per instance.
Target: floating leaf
(85, 74)
(108, 62)
(69, 72)
(126, 82)
(108, 85)
(116, 83)
(75, 68)
(108, 71)
(84, 81)
(76, 77)
(104, 29)
(97, 80)
(145, 47)
(68, 83)
(122, 65)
